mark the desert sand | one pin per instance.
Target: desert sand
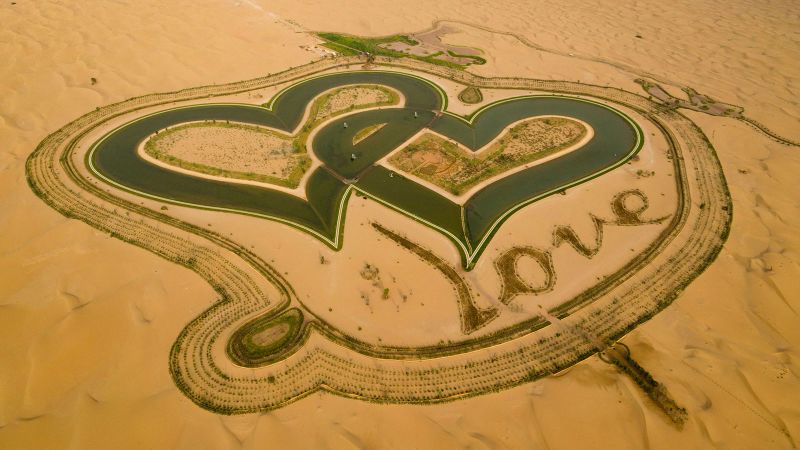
(88, 321)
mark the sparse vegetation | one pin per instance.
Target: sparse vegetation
(620, 355)
(367, 132)
(279, 152)
(513, 283)
(445, 164)
(349, 45)
(197, 371)
(470, 95)
(287, 157)
(472, 318)
(477, 59)
(265, 338)
(644, 173)
(565, 233)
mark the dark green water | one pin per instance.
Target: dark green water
(614, 140)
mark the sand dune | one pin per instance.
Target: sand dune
(87, 321)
